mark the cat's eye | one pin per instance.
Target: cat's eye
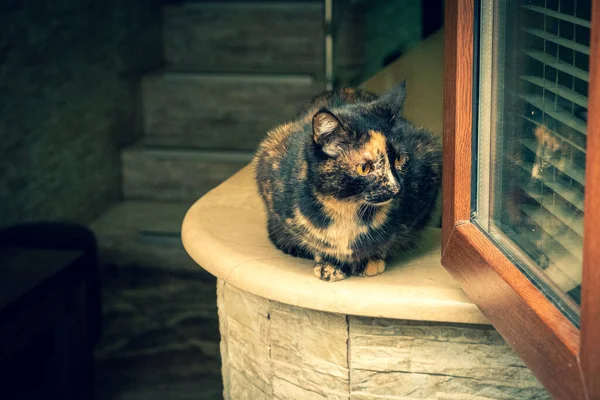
(401, 160)
(364, 168)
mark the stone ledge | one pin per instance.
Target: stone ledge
(225, 233)
(275, 351)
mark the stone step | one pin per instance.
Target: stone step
(245, 37)
(144, 234)
(216, 111)
(263, 37)
(176, 174)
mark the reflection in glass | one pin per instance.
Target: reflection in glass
(532, 123)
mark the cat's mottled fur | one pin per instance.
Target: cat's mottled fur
(348, 181)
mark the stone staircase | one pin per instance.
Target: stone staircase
(232, 72)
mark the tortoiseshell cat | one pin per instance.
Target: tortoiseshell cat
(348, 181)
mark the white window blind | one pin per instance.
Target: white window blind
(553, 91)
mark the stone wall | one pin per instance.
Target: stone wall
(69, 73)
(272, 350)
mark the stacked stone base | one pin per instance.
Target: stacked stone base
(272, 350)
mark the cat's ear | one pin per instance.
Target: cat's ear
(328, 132)
(390, 105)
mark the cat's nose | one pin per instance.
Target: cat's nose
(392, 184)
(395, 189)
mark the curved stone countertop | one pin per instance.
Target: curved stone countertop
(225, 233)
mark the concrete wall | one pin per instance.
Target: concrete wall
(69, 76)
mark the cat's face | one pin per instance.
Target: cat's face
(357, 161)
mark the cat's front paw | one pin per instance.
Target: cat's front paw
(373, 267)
(328, 272)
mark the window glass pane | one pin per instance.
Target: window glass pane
(531, 136)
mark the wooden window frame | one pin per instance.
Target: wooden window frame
(565, 359)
